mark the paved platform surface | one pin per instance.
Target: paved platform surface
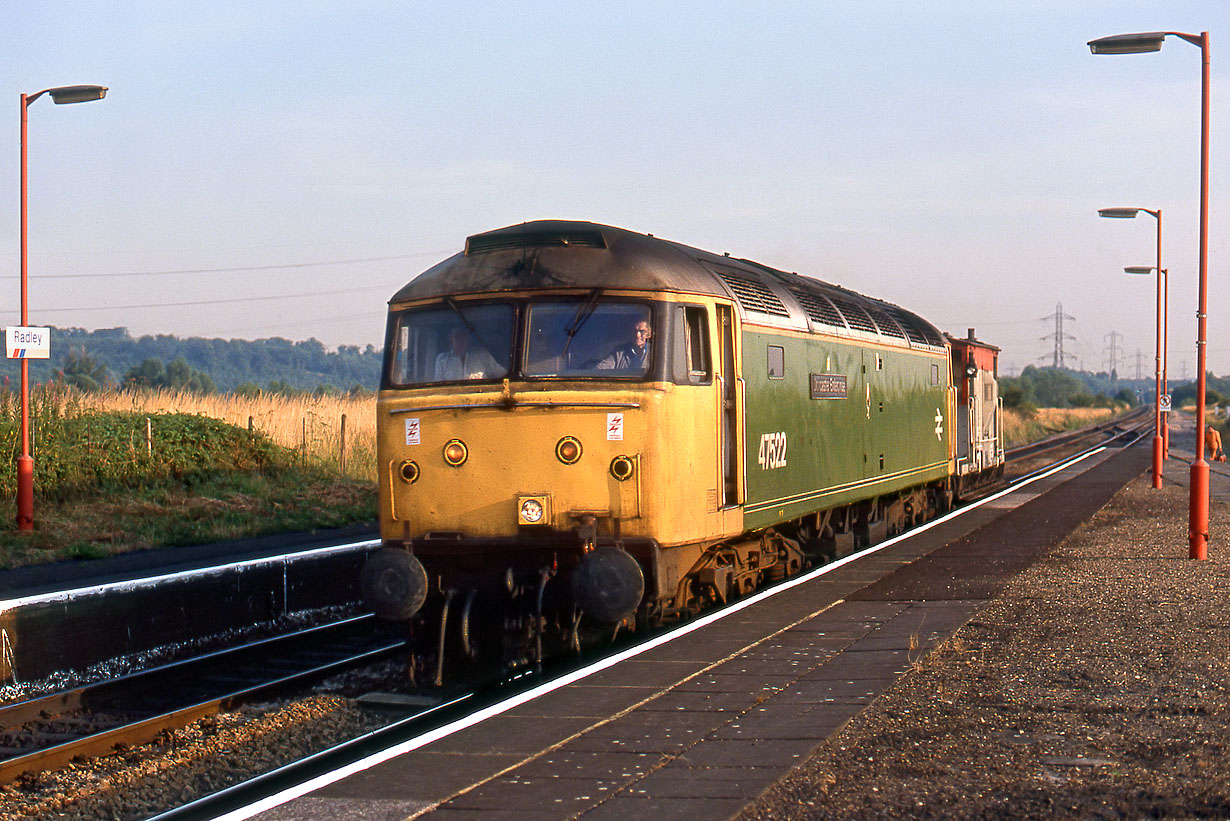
(700, 726)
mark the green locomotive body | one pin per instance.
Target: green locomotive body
(553, 474)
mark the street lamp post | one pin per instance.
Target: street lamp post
(1158, 440)
(1161, 423)
(25, 463)
(1198, 504)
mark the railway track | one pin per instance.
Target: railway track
(52, 730)
(49, 732)
(1125, 430)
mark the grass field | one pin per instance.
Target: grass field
(1021, 428)
(127, 470)
(308, 425)
(120, 471)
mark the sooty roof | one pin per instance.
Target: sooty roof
(551, 254)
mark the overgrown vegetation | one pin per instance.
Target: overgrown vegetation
(1061, 388)
(1024, 426)
(112, 481)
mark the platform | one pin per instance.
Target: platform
(699, 726)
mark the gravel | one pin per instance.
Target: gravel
(204, 757)
(1094, 687)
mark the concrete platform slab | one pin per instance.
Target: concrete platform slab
(623, 807)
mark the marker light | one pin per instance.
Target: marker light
(408, 471)
(622, 468)
(456, 452)
(568, 450)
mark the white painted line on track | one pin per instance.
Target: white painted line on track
(151, 581)
(529, 695)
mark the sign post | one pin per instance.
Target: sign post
(22, 342)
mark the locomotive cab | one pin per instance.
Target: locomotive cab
(978, 444)
(521, 451)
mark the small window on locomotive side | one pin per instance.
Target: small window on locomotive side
(935, 375)
(777, 362)
(402, 354)
(696, 343)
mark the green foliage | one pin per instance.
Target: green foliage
(84, 371)
(250, 390)
(109, 482)
(1215, 391)
(79, 452)
(1061, 388)
(176, 375)
(207, 364)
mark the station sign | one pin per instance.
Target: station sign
(22, 342)
(1163, 403)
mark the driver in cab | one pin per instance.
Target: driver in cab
(461, 361)
(632, 355)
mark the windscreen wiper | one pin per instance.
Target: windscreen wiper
(584, 312)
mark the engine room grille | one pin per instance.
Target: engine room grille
(754, 296)
(888, 326)
(855, 316)
(818, 308)
(483, 243)
(914, 331)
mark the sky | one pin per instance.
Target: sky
(271, 168)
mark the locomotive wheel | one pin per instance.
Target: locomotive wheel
(394, 584)
(608, 584)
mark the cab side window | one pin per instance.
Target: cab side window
(696, 345)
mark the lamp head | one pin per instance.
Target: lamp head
(76, 94)
(1139, 269)
(1141, 43)
(1118, 213)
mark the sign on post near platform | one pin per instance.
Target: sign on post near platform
(1163, 404)
(21, 342)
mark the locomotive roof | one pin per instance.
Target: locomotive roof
(551, 254)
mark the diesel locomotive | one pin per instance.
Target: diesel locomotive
(584, 429)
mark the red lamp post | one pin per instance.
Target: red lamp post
(1160, 426)
(1159, 447)
(25, 464)
(1198, 504)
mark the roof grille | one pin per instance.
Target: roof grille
(818, 308)
(888, 326)
(506, 240)
(915, 330)
(856, 317)
(754, 296)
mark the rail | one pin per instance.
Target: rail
(50, 731)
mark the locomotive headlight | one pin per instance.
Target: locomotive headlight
(622, 468)
(533, 510)
(568, 450)
(456, 452)
(408, 471)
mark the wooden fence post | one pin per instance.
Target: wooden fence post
(149, 436)
(343, 454)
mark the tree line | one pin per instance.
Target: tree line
(1062, 388)
(94, 360)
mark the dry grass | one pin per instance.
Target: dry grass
(308, 424)
(1021, 428)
